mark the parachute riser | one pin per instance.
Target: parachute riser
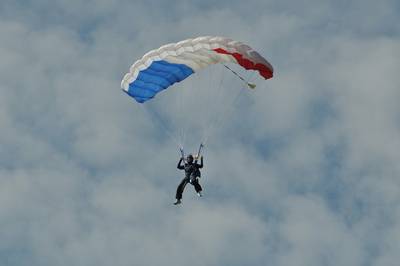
(197, 155)
(182, 154)
(199, 151)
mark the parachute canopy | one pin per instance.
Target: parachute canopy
(159, 69)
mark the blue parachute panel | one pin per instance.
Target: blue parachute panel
(157, 77)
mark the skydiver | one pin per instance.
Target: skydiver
(192, 175)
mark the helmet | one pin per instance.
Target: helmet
(189, 158)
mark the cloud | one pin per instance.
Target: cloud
(303, 171)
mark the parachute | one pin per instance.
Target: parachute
(161, 68)
(199, 106)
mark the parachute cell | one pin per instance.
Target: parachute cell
(159, 69)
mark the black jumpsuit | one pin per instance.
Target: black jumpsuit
(191, 174)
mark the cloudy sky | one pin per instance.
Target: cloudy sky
(304, 171)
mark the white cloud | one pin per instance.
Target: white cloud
(304, 172)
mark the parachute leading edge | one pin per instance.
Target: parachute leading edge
(157, 77)
(159, 69)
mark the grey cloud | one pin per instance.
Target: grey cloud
(304, 171)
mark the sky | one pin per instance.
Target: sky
(304, 171)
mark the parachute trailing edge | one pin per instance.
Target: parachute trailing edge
(159, 69)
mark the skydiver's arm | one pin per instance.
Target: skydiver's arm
(201, 163)
(180, 166)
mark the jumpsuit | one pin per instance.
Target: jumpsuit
(192, 172)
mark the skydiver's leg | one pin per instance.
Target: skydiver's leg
(181, 187)
(196, 185)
